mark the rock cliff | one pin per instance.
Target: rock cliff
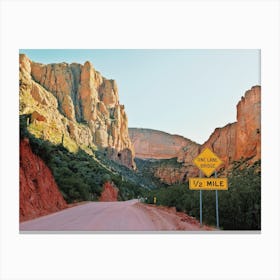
(39, 194)
(242, 139)
(248, 128)
(223, 143)
(236, 141)
(154, 144)
(74, 105)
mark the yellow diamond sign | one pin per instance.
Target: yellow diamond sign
(207, 162)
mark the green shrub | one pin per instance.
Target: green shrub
(239, 206)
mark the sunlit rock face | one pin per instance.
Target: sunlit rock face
(154, 144)
(76, 104)
(248, 129)
(242, 139)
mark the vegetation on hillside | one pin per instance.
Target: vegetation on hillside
(79, 175)
(239, 206)
(148, 167)
(137, 177)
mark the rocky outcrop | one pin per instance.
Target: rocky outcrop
(77, 104)
(242, 139)
(248, 128)
(172, 175)
(39, 194)
(109, 192)
(223, 143)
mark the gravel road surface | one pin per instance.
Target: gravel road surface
(113, 216)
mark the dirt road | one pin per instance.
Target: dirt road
(113, 216)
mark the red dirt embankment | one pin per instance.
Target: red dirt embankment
(167, 218)
(39, 194)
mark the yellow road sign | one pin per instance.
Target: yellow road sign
(208, 184)
(207, 162)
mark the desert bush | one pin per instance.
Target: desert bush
(239, 206)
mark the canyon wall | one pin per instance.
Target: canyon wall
(248, 129)
(154, 144)
(39, 194)
(242, 139)
(76, 106)
(236, 141)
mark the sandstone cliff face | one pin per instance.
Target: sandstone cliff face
(153, 144)
(149, 143)
(248, 129)
(76, 104)
(241, 139)
(109, 192)
(233, 142)
(39, 194)
(223, 143)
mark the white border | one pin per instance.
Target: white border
(146, 24)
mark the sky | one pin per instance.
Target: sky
(184, 92)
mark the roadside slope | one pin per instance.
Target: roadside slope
(39, 194)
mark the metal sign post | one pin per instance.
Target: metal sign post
(217, 205)
(200, 202)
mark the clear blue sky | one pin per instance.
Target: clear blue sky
(185, 92)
